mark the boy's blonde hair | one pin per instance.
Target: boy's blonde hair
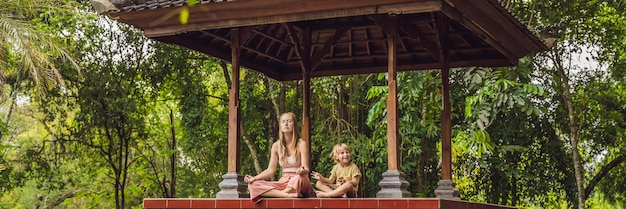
(336, 149)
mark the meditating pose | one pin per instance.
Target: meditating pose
(292, 154)
(346, 172)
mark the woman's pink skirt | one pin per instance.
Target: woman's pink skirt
(300, 183)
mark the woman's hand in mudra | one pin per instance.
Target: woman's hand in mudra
(248, 179)
(301, 170)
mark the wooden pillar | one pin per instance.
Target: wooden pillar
(234, 115)
(306, 87)
(446, 187)
(306, 109)
(232, 185)
(393, 143)
(446, 124)
(393, 184)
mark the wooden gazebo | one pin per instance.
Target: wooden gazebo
(300, 39)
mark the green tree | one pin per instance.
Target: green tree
(112, 94)
(28, 50)
(586, 27)
(419, 101)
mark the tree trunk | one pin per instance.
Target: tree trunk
(7, 118)
(172, 190)
(573, 134)
(252, 148)
(118, 204)
(56, 201)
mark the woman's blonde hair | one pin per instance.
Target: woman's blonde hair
(294, 142)
(336, 149)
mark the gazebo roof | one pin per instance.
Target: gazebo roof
(339, 37)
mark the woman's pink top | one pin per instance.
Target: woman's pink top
(291, 165)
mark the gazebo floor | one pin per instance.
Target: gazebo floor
(337, 203)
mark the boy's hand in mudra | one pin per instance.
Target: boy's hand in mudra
(341, 180)
(316, 175)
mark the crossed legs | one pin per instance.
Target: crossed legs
(327, 191)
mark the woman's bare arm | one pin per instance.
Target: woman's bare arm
(271, 166)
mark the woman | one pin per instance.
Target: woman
(292, 154)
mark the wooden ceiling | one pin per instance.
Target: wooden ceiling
(339, 37)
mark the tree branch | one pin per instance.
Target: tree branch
(605, 170)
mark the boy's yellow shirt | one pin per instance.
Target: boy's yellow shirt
(347, 172)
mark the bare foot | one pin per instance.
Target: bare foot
(292, 195)
(321, 194)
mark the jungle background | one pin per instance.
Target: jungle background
(94, 115)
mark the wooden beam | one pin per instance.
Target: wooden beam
(323, 28)
(257, 12)
(272, 38)
(246, 34)
(471, 25)
(489, 60)
(263, 54)
(301, 47)
(401, 67)
(346, 42)
(315, 60)
(220, 54)
(424, 41)
(491, 16)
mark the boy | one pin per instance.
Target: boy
(346, 172)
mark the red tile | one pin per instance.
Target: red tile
(154, 203)
(449, 204)
(472, 205)
(203, 203)
(247, 203)
(179, 203)
(393, 203)
(224, 203)
(279, 202)
(363, 203)
(335, 203)
(423, 203)
(307, 203)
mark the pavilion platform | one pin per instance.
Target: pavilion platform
(336, 203)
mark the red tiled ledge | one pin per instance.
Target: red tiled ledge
(336, 203)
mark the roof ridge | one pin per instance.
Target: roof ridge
(117, 6)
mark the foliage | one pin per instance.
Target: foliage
(420, 106)
(571, 83)
(25, 48)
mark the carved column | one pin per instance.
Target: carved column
(446, 187)
(232, 185)
(393, 184)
